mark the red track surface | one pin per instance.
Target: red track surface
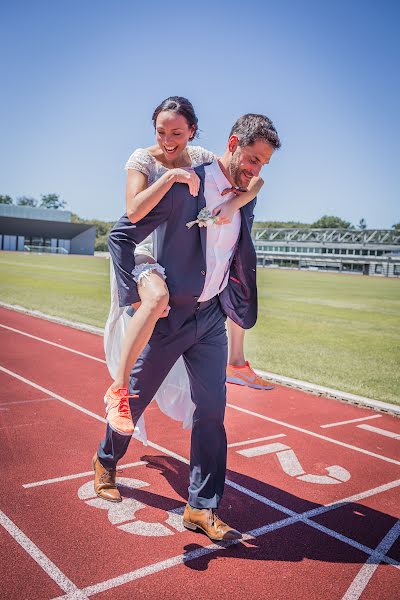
(57, 539)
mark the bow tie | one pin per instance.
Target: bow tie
(234, 189)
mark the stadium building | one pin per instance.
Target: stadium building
(29, 229)
(367, 252)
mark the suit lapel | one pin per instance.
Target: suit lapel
(201, 202)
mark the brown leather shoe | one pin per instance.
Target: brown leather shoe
(206, 520)
(104, 482)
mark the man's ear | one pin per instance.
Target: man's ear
(233, 143)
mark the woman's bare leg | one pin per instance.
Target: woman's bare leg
(236, 344)
(154, 297)
(238, 370)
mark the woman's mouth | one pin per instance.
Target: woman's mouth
(170, 149)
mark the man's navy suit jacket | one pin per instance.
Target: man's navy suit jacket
(183, 254)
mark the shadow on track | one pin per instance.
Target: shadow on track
(290, 543)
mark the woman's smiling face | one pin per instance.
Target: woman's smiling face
(172, 134)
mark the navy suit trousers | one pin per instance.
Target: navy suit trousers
(202, 342)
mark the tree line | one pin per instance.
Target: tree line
(46, 201)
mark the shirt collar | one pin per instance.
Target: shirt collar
(219, 177)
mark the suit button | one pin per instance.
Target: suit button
(203, 272)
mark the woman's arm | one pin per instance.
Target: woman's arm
(141, 198)
(226, 210)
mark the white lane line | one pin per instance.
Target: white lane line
(265, 529)
(261, 450)
(385, 432)
(78, 475)
(363, 577)
(317, 435)
(52, 394)
(2, 404)
(262, 439)
(39, 557)
(304, 517)
(39, 339)
(351, 421)
(331, 440)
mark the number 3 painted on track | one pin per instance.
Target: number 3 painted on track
(122, 514)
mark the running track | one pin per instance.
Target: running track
(314, 484)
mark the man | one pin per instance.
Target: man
(211, 274)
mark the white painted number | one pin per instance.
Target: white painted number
(292, 467)
(123, 514)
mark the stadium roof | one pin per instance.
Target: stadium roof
(42, 228)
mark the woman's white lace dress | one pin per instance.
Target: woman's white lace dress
(173, 397)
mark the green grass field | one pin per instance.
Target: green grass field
(335, 330)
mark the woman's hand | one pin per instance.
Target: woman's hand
(225, 211)
(189, 177)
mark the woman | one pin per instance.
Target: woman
(151, 173)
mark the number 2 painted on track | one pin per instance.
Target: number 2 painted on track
(291, 465)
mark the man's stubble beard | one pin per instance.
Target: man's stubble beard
(234, 169)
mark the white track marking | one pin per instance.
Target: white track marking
(385, 432)
(306, 431)
(262, 439)
(123, 514)
(2, 404)
(351, 421)
(363, 577)
(40, 558)
(279, 379)
(290, 463)
(313, 434)
(53, 395)
(79, 475)
(39, 339)
(260, 450)
(250, 535)
(304, 517)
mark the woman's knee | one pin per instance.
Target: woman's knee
(156, 296)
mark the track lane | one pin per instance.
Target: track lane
(162, 430)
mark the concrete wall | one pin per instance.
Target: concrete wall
(84, 242)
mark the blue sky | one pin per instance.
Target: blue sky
(80, 81)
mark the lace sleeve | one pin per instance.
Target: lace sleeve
(200, 155)
(141, 161)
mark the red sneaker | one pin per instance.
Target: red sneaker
(244, 375)
(118, 412)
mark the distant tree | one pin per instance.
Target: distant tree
(396, 226)
(52, 201)
(101, 244)
(26, 201)
(76, 219)
(6, 200)
(331, 222)
(280, 224)
(103, 228)
(362, 224)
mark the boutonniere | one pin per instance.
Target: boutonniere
(204, 219)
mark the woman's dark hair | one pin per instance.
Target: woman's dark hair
(181, 106)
